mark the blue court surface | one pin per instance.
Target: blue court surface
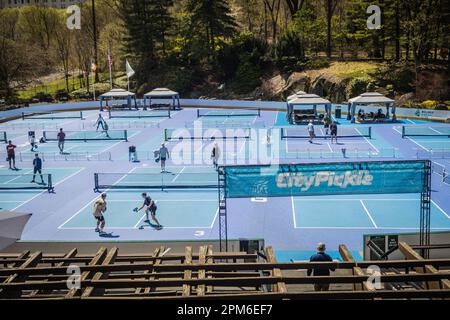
(187, 196)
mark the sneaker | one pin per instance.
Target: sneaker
(97, 230)
(147, 221)
(32, 181)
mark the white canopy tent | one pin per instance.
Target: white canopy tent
(371, 98)
(307, 100)
(162, 94)
(118, 94)
(296, 95)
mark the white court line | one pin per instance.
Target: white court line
(19, 176)
(40, 193)
(293, 212)
(437, 131)
(440, 209)
(369, 228)
(368, 213)
(176, 177)
(412, 140)
(329, 146)
(90, 202)
(370, 143)
(359, 199)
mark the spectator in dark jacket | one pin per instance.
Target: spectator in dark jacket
(321, 256)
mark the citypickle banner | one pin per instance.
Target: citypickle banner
(326, 179)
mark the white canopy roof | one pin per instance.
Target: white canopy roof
(294, 96)
(371, 97)
(161, 92)
(118, 93)
(309, 99)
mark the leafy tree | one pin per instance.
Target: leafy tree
(146, 22)
(211, 20)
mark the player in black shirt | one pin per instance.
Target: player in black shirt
(150, 207)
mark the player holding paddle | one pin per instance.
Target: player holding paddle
(151, 207)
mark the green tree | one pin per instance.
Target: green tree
(212, 20)
(146, 22)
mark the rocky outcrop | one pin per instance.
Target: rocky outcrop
(324, 85)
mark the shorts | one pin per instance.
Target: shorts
(334, 133)
(152, 209)
(162, 159)
(37, 170)
(11, 157)
(100, 218)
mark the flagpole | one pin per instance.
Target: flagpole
(110, 67)
(93, 86)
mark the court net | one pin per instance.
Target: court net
(426, 131)
(342, 132)
(441, 170)
(24, 182)
(139, 114)
(229, 113)
(105, 181)
(3, 137)
(207, 134)
(52, 115)
(87, 135)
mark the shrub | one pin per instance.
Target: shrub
(245, 47)
(290, 51)
(247, 77)
(429, 104)
(399, 75)
(441, 107)
(317, 63)
(356, 87)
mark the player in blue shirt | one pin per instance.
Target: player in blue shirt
(37, 168)
(321, 256)
(150, 207)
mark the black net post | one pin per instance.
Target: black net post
(223, 227)
(425, 211)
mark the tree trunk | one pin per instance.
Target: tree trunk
(329, 18)
(94, 27)
(397, 31)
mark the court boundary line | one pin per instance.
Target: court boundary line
(376, 227)
(44, 191)
(368, 213)
(90, 202)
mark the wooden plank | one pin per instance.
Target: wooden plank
(228, 267)
(202, 272)
(32, 261)
(210, 260)
(155, 274)
(276, 272)
(155, 254)
(72, 253)
(96, 260)
(410, 254)
(348, 257)
(187, 273)
(110, 258)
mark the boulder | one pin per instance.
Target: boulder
(404, 99)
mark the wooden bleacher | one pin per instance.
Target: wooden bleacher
(160, 274)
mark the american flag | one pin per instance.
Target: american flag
(110, 61)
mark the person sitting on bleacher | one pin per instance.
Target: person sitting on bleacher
(321, 256)
(361, 114)
(380, 114)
